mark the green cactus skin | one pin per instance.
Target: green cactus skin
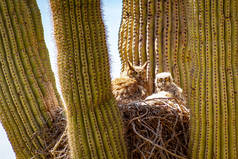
(213, 30)
(28, 92)
(162, 31)
(94, 123)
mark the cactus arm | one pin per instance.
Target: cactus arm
(31, 122)
(95, 129)
(28, 92)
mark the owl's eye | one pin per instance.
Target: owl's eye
(133, 73)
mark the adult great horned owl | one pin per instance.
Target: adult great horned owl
(164, 82)
(131, 85)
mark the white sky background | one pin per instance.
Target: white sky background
(112, 18)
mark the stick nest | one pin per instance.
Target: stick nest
(55, 138)
(154, 129)
(61, 150)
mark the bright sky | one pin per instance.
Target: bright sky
(112, 18)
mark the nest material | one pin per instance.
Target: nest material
(60, 148)
(56, 142)
(154, 129)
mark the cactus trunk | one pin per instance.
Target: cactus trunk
(198, 42)
(94, 123)
(28, 95)
(155, 31)
(214, 33)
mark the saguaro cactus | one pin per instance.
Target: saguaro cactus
(211, 41)
(94, 124)
(213, 28)
(28, 96)
(156, 31)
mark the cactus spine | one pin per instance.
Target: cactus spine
(27, 88)
(94, 124)
(162, 30)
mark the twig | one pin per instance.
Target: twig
(158, 146)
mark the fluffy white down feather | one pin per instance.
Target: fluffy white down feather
(161, 94)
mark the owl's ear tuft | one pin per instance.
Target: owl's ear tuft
(130, 66)
(145, 65)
